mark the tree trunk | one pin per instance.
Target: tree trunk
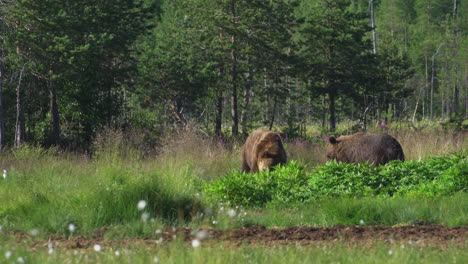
(248, 88)
(331, 98)
(456, 91)
(324, 111)
(20, 126)
(2, 122)
(432, 80)
(272, 120)
(219, 112)
(234, 113)
(374, 34)
(55, 120)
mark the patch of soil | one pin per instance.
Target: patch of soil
(429, 235)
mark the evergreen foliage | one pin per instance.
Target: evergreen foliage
(70, 68)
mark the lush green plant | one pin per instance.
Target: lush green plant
(291, 183)
(284, 183)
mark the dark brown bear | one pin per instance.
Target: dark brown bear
(263, 149)
(377, 149)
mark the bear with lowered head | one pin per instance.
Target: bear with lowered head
(263, 149)
(377, 149)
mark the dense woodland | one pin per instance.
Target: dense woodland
(69, 69)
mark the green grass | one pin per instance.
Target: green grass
(450, 210)
(56, 192)
(177, 252)
(48, 192)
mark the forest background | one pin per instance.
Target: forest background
(69, 69)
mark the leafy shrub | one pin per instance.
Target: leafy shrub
(291, 183)
(285, 183)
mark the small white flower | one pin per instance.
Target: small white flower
(97, 248)
(402, 246)
(201, 235)
(156, 260)
(34, 232)
(215, 222)
(410, 242)
(50, 245)
(20, 260)
(232, 213)
(145, 216)
(5, 174)
(196, 243)
(117, 253)
(8, 254)
(391, 252)
(75, 252)
(141, 205)
(71, 228)
(51, 251)
(361, 222)
(158, 231)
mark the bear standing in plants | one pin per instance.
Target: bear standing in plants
(377, 149)
(263, 149)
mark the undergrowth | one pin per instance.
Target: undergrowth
(434, 176)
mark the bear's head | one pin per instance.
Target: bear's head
(271, 152)
(332, 149)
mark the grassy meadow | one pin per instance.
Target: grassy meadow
(51, 192)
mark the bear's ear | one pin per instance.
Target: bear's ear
(332, 140)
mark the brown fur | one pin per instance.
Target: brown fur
(373, 148)
(262, 149)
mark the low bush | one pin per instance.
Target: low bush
(292, 183)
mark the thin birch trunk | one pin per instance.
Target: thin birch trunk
(20, 126)
(234, 110)
(2, 122)
(55, 119)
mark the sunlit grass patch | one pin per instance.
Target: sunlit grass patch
(178, 252)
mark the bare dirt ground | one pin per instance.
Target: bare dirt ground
(427, 235)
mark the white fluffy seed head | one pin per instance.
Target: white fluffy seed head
(34, 232)
(196, 243)
(8, 254)
(141, 205)
(232, 212)
(97, 247)
(71, 228)
(201, 235)
(145, 216)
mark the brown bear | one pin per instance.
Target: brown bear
(263, 149)
(377, 149)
